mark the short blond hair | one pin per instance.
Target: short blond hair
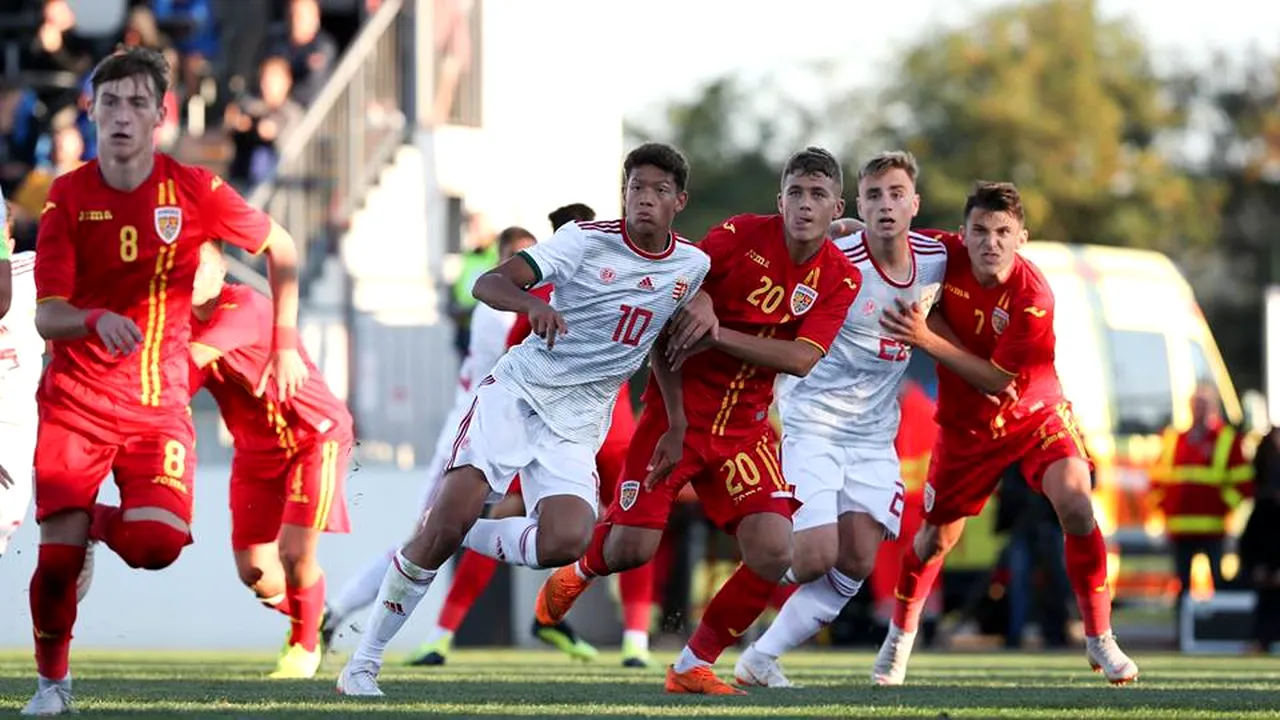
(890, 160)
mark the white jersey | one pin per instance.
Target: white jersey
(615, 298)
(851, 395)
(489, 331)
(21, 347)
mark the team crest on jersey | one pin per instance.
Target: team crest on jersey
(628, 491)
(608, 275)
(681, 287)
(168, 223)
(999, 320)
(869, 308)
(802, 298)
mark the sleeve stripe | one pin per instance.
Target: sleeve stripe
(996, 365)
(533, 264)
(47, 298)
(813, 343)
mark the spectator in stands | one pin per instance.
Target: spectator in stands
(1260, 543)
(141, 29)
(17, 137)
(194, 31)
(65, 155)
(56, 46)
(258, 125)
(310, 50)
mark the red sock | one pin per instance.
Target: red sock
(279, 603)
(740, 601)
(781, 594)
(306, 606)
(470, 578)
(1087, 568)
(915, 580)
(106, 523)
(53, 606)
(636, 588)
(592, 563)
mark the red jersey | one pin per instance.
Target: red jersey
(1011, 325)
(240, 330)
(757, 288)
(135, 254)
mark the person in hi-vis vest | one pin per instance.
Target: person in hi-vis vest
(1202, 475)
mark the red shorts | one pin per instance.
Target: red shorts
(153, 462)
(965, 468)
(305, 489)
(732, 479)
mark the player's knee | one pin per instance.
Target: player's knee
(810, 561)
(1075, 513)
(150, 545)
(856, 566)
(767, 556)
(561, 547)
(249, 573)
(626, 548)
(931, 544)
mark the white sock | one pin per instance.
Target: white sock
(361, 589)
(789, 578)
(815, 604)
(43, 682)
(688, 661)
(635, 639)
(512, 540)
(403, 586)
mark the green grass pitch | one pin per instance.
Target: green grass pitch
(513, 683)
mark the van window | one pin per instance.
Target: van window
(1140, 379)
(1204, 374)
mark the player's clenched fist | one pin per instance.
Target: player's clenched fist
(546, 322)
(118, 334)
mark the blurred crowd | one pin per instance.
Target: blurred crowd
(243, 72)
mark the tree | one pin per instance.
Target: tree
(735, 147)
(1068, 107)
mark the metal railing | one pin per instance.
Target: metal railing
(347, 136)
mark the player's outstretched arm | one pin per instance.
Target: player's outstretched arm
(670, 446)
(908, 324)
(504, 288)
(286, 366)
(794, 357)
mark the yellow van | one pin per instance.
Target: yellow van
(1132, 345)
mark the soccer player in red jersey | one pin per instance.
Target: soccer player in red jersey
(780, 290)
(999, 403)
(290, 458)
(117, 250)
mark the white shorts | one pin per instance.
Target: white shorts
(17, 453)
(444, 448)
(501, 436)
(831, 480)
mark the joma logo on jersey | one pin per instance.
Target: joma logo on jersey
(802, 298)
(758, 259)
(168, 223)
(958, 292)
(94, 215)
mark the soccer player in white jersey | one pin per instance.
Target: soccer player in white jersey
(839, 422)
(21, 348)
(545, 410)
(489, 329)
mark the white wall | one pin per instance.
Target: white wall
(551, 112)
(198, 603)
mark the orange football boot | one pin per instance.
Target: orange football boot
(701, 680)
(558, 594)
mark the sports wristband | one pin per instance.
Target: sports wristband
(285, 338)
(92, 317)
